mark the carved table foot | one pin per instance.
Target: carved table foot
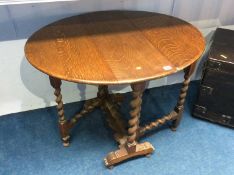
(128, 151)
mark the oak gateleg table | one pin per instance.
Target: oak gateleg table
(114, 48)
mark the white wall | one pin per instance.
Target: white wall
(24, 88)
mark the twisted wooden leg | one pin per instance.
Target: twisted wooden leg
(63, 124)
(131, 148)
(135, 112)
(183, 92)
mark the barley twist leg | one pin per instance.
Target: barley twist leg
(135, 104)
(56, 84)
(183, 92)
(135, 114)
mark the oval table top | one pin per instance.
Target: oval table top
(114, 47)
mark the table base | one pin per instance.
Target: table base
(126, 135)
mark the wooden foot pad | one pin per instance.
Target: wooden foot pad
(66, 142)
(173, 128)
(126, 152)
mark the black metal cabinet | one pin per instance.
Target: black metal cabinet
(216, 96)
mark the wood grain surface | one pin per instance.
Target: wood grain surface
(114, 47)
